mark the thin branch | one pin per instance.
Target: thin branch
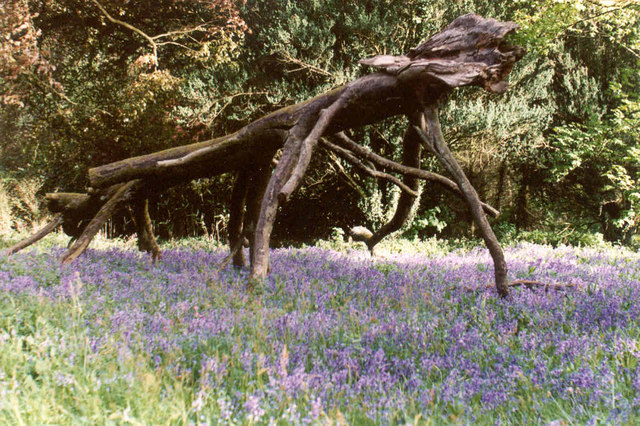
(346, 176)
(613, 40)
(597, 15)
(303, 65)
(64, 97)
(350, 157)
(175, 43)
(229, 99)
(345, 141)
(144, 35)
(200, 27)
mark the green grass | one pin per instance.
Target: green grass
(66, 359)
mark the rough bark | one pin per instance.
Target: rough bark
(146, 240)
(236, 218)
(436, 143)
(269, 205)
(259, 181)
(406, 202)
(350, 157)
(122, 194)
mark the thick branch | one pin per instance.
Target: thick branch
(269, 206)
(236, 217)
(410, 158)
(49, 227)
(258, 183)
(61, 201)
(435, 141)
(308, 145)
(105, 212)
(146, 241)
(370, 99)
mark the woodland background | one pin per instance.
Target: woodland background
(84, 83)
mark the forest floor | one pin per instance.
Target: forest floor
(417, 336)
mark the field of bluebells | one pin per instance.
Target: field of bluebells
(331, 337)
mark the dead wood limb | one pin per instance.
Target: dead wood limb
(411, 144)
(144, 228)
(470, 51)
(48, 228)
(236, 217)
(61, 201)
(258, 182)
(434, 139)
(350, 157)
(233, 252)
(369, 99)
(531, 285)
(202, 159)
(78, 209)
(309, 143)
(269, 205)
(105, 212)
(346, 142)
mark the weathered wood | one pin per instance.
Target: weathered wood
(47, 229)
(373, 98)
(346, 142)
(80, 245)
(325, 117)
(434, 139)
(350, 157)
(146, 240)
(532, 285)
(470, 51)
(258, 182)
(60, 201)
(410, 158)
(236, 217)
(269, 205)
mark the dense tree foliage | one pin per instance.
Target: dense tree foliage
(87, 82)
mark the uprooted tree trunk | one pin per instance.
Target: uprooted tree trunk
(470, 51)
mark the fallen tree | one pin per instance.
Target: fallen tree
(470, 51)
